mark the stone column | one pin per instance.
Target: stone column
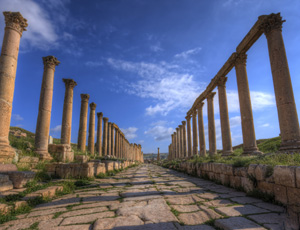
(195, 135)
(184, 151)
(105, 129)
(224, 117)
(117, 143)
(211, 124)
(83, 122)
(91, 139)
(181, 141)
(178, 143)
(189, 136)
(113, 139)
(286, 107)
(173, 149)
(158, 158)
(109, 139)
(175, 145)
(99, 133)
(67, 112)
(45, 106)
(249, 140)
(15, 25)
(201, 130)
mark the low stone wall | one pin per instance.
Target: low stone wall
(83, 170)
(282, 182)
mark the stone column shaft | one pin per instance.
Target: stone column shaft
(184, 139)
(189, 136)
(109, 139)
(105, 129)
(91, 140)
(286, 107)
(224, 117)
(211, 124)
(175, 145)
(83, 122)
(112, 140)
(201, 130)
(173, 149)
(99, 133)
(195, 134)
(181, 141)
(178, 143)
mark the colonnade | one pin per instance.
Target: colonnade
(111, 141)
(271, 26)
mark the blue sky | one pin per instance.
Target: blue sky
(144, 62)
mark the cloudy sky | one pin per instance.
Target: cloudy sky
(144, 62)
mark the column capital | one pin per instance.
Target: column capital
(222, 81)
(50, 61)
(188, 117)
(240, 59)
(15, 21)
(180, 126)
(70, 83)
(210, 95)
(100, 115)
(93, 106)
(85, 97)
(177, 129)
(105, 119)
(199, 106)
(183, 122)
(271, 22)
(194, 113)
(172, 134)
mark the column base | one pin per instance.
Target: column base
(7, 154)
(44, 155)
(290, 146)
(252, 151)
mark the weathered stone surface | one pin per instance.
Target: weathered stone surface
(240, 210)
(46, 212)
(237, 223)
(217, 203)
(84, 211)
(61, 152)
(285, 175)
(245, 200)
(280, 193)
(8, 168)
(270, 207)
(5, 183)
(198, 217)
(20, 178)
(121, 221)
(185, 208)
(196, 227)
(270, 218)
(86, 218)
(293, 195)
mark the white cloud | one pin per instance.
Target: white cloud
(156, 47)
(188, 53)
(56, 129)
(19, 125)
(265, 125)
(93, 63)
(130, 133)
(235, 121)
(160, 132)
(17, 117)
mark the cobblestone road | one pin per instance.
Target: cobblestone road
(151, 197)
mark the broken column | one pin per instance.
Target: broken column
(91, 139)
(45, 106)
(211, 124)
(15, 25)
(83, 122)
(201, 130)
(99, 133)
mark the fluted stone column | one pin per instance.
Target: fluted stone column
(173, 148)
(249, 140)
(105, 129)
(201, 130)
(117, 142)
(45, 107)
(181, 141)
(286, 107)
(83, 122)
(178, 142)
(175, 145)
(211, 124)
(189, 135)
(67, 112)
(195, 135)
(109, 139)
(224, 117)
(184, 139)
(99, 133)
(15, 25)
(113, 139)
(91, 139)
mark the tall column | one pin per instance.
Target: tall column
(181, 141)
(158, 158)
(109, 139)
(184, 151)
(105, 129)
(224, 117)
(113, 139)
(91, 139)
(117, 142)
(99, 133)
(195, 135)
(67, 112)
(286, 107)
(83, 122)
(201, 130)
(211, 124)
(175, 145)
(178, 143)
(15, 25)
(45, 106)
(249, 140)
(173, 148)
(189, 135)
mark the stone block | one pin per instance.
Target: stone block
(227, 169)
(285, 175)
(109, 165)
(298, 177)
(260, 172)
(280, 193)
(293, 196)
(8, 168)
(20, 178)
(28, 159)
(61, 152)
(235, 181)
(5, 183)
(82, 158)
(4, 208)
(240, 171)
(237, 223)
(251, 169)
(211, 175)
(225, 179)
(100, 168)
(217, 167)
(247, 184)
(265, 187)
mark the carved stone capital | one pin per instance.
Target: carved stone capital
(194, 113)
(105, 119)
(100, 115)
(180, 126)
(15, 21)
(188, 117)
(241, 59)
(200, 106)
(272, 22)
(50, 62)
(183, 122)
(93, 106)
(211, 95)
(177, 129)
(85, 97)
(69, 83)
(222, 81)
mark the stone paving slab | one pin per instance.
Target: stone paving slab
(240, 210)
(237, 223)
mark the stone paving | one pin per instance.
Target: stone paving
(151, 197)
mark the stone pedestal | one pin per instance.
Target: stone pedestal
(99, 134)
(105, 129)
(286, 107)
(15, 25)
(225, 125)
(195, 134)
(189, 135)
(61, 152)
(91, 140)
(201, 130)
(67, 112)
(211, 124)
(83, 122)
(45, 106)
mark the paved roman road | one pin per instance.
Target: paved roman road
(151, 197)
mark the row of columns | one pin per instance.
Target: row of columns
(287, 113)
